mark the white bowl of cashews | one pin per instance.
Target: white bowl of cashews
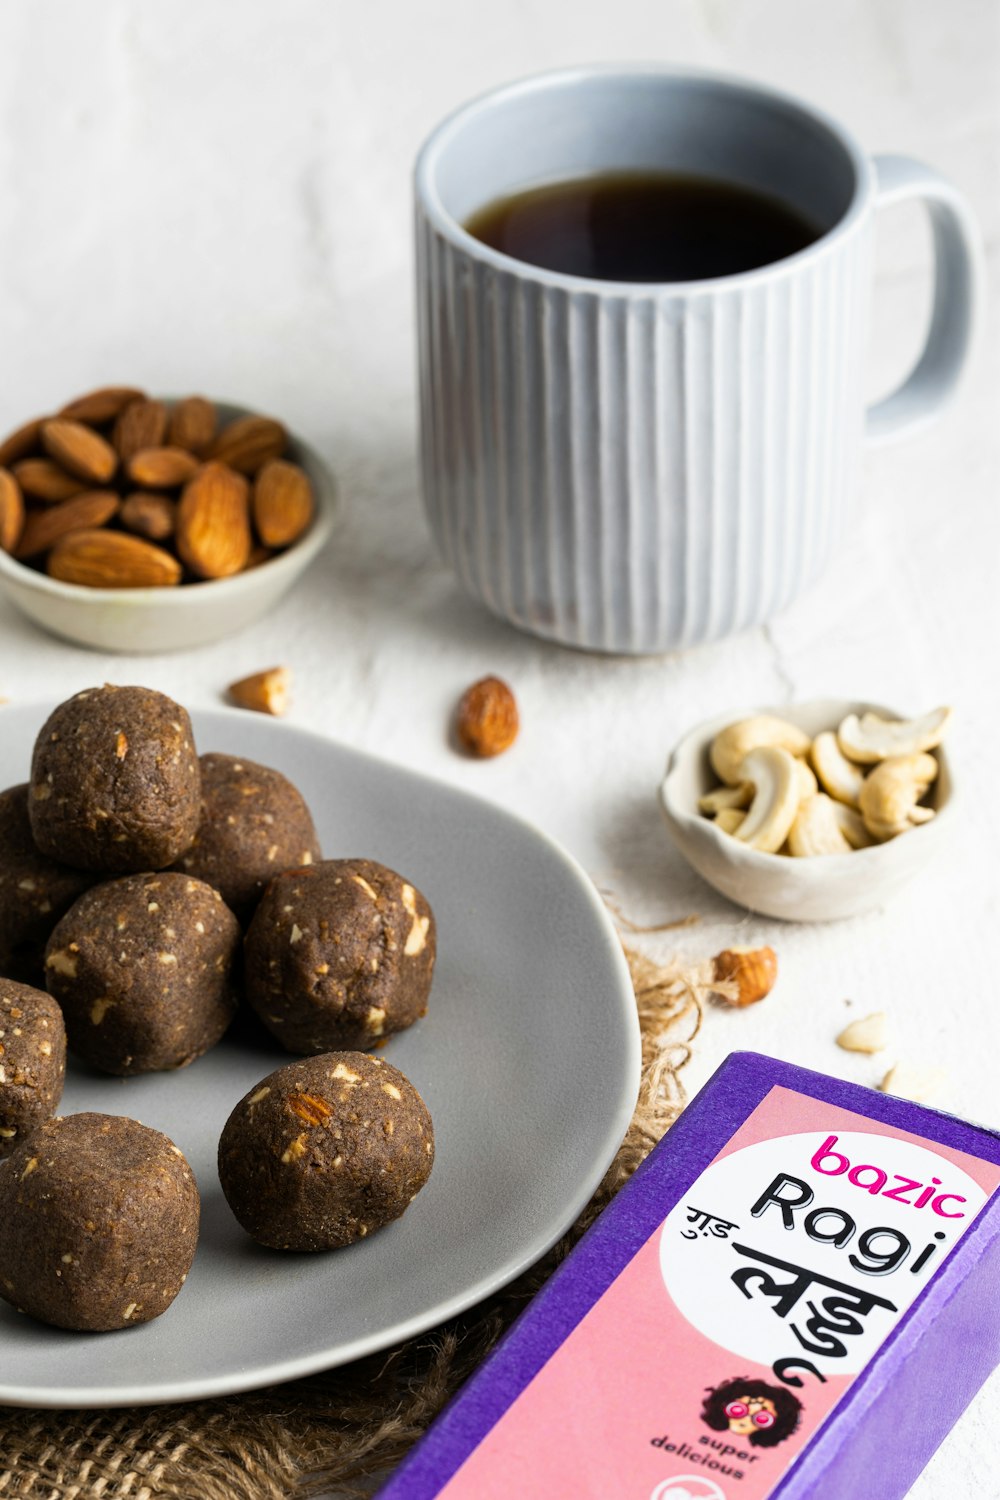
(813, 811)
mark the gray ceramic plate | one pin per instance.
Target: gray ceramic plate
(528, 1059)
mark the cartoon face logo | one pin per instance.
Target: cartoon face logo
(688, 1487)
(763, 1415)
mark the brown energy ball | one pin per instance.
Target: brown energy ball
(115, 783)
(325, 1151)
(32, 1061)
(254, 822)
(98, 1223)
(34, 891)
(143, 970)
(339, 955)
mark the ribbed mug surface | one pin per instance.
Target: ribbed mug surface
(638, 473)
(638, 468)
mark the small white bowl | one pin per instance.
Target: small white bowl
(173, 619)
(819, 889)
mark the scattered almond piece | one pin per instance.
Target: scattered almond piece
(867, 1034)
(753, 971)
(264, 692)
(487, 721)
(920, 1082)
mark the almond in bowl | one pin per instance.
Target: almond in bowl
(131, 523)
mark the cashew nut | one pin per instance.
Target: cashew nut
(868, 790)
(726, 797)
(816, 829)
(737, 740)
(873, 738)
(775, 777)
(808, 785)
(892, 791)
(839, 776)
(852, 826)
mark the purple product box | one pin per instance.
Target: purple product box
(796, 1295)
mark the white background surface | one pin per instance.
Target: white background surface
(216, 197)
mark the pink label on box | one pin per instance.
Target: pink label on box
(728, 1339)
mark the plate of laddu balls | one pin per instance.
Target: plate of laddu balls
(300, 1052)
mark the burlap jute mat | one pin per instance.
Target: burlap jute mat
(326, 1433)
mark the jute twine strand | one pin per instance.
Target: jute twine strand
(327, 1432)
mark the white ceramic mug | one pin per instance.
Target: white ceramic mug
(637, 468)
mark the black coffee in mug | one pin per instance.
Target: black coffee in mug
(643, 226)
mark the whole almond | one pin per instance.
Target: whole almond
(150, 515)
(192, 425)
(21, 443)
(487, 721)
(282, 503)
(213, 523)
(249, 443)
(162, 468)
(44, 480)
(141, 424)
(112, 560)
(102, 405)
(79, 449)
(11, 511)
(43, 528)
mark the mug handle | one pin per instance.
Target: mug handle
(957, 289)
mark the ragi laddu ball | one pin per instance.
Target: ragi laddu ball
(98, 1223)
(254, 822)
(34, 891)
(339, 955)
(115, 781)
(143, 968)
(325, 1151)
(32, 1061)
